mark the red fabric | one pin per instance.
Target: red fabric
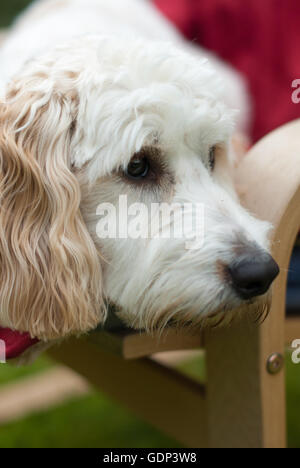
(16, 343)
(260, 38)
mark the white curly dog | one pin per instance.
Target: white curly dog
(102, 100)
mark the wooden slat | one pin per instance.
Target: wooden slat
(234, 403)
(163, 397)
(132, 345)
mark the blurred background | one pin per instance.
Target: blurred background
(45, 405)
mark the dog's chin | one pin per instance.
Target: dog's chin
(253, 311)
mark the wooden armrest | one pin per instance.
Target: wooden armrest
(268, 181)
(269, 186)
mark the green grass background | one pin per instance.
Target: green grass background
(94, 420)
(97, 422)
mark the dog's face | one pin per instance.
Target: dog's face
(98, 122)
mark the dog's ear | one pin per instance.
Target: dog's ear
(50, 272)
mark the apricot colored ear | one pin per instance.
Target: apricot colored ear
(51, 275)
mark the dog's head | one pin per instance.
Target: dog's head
(93, 125)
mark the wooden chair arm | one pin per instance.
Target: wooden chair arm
(269, 185)
(268, 181)
(275, 197)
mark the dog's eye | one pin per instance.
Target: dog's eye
(212, 158)
(138, 168)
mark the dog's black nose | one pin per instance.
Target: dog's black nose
(254, 275)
